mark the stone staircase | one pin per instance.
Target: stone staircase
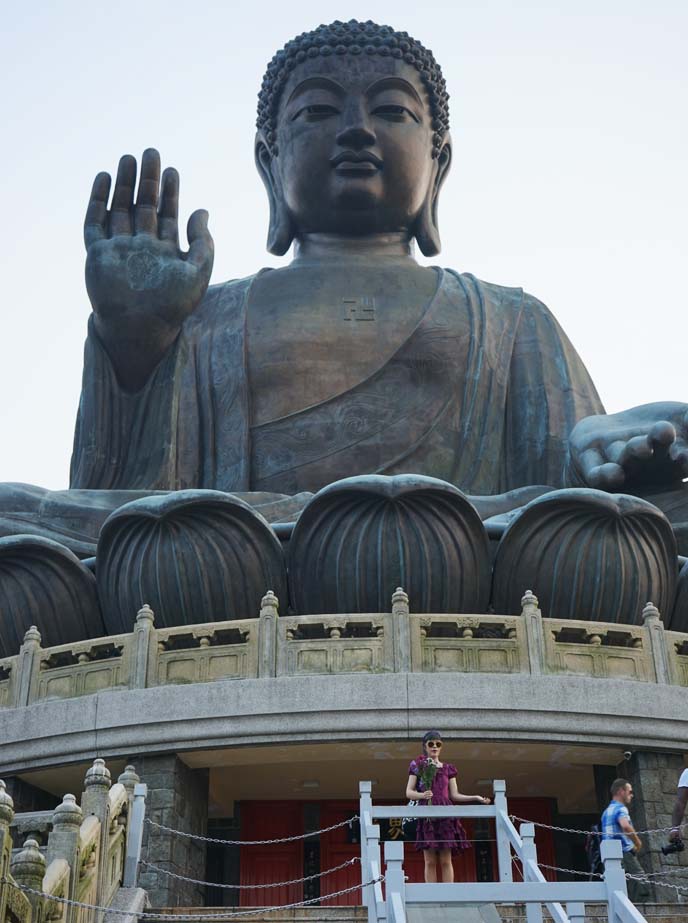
(595, 913)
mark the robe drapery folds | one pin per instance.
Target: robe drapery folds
(483, 393)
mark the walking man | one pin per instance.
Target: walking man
(616, 825)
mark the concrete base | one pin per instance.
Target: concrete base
(165, 719)
(654, 777)
(177, 798)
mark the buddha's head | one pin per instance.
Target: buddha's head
(353, 136)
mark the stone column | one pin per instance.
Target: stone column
(177, 798)
(654, 777)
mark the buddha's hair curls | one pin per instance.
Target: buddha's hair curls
(353, 37)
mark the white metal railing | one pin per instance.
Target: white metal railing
(533, 891)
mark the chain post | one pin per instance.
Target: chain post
(135, 836)
(395, 882)
(503, 847)
(529, 854)
(614, 877)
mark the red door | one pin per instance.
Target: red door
(538, 810)
(264, 820)
(335, 848)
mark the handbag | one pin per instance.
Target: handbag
(410, 820)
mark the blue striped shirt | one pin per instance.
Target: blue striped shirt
(611, 829)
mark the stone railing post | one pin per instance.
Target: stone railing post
(6, 818)
(28, 868)
(129, 779)
(135, 836)
(63, 843)
(95, 800)
(267, 635)
(401, 631)
(654, 632)
(143, 648)
(28, 664)
(535, 635)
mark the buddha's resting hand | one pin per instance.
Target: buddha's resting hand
(141, 285)
(645, 446)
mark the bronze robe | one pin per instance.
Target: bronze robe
(484, 394)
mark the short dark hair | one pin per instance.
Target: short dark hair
(353, 38)
(617, 785)
(430, 735)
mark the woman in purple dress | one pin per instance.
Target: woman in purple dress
(438, 838)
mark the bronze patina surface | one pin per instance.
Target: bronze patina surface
(351, 360)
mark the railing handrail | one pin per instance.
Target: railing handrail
(444, 810)
(533, 891)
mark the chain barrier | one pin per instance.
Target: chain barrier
(670, 871)
(655, 881)
(557, 868)
(175, 918)
(286, 839)
(650, 878)
(524, 820)
(276, 884)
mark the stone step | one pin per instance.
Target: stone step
(508, 913)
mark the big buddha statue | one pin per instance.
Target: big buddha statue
(352, 360)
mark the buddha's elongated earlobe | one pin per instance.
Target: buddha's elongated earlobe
(280, 231)
(426, 230)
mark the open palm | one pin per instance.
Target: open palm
(142, 286)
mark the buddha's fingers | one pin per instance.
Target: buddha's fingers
(146, 211)
(123, 197)
(95, 223)
(637, 449)
(201, 246)
(608, 476)
(168, 209)
(662, 437)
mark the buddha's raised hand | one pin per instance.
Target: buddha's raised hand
(643, 446)
(141, 285)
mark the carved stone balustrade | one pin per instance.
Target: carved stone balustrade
(468, 644)
(85, 855)
(387, 642)
(335, 644)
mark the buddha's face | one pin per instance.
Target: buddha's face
(354, 137)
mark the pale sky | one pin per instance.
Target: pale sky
(569, 170)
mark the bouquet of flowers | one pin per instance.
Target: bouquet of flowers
(427, 770)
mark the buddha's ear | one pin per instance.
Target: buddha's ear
(280, 231)
(426, 230)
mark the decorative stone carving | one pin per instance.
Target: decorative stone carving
(679, 617)
(359, 538)
(194, 556)
(587, 554)
(44, 584)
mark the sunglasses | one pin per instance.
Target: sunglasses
(435, 744)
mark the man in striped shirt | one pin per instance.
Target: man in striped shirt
(616, 825)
